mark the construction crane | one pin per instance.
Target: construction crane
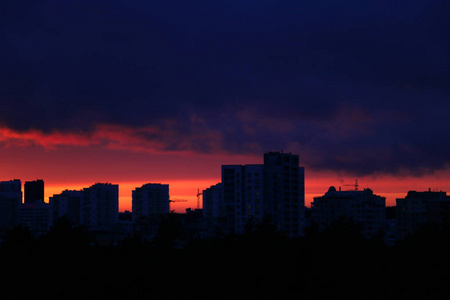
(198, 198)
(177, 200)
(354, 185)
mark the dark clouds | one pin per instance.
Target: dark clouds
(358, 86)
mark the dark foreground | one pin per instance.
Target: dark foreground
(262, 264)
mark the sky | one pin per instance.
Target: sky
(132, 92)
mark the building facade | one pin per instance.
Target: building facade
(151, 201)
(10, 201)
(67, 204)
(213, 202)
(420, 208)
(284, 190)
(274, 189)
(34, 191)
(242, 196)
(36, 216)
(363, 207)
(100, 206)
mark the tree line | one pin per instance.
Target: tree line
(262, 263)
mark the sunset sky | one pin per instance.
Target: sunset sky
(132, 92)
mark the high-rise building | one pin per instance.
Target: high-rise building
(274, 189)
(67, 204)
(100, 206)
(151, 201)
(362, 207)
(34, 191)
(420, 208)
(242, 196)
(10, 200)
(36, 216)
(213, 203)
(284, 190)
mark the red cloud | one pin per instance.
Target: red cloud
(149, 138)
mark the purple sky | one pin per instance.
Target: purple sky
(353, 87)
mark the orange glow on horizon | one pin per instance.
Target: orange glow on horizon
(388, 186)
(178, 190)
(187, 189)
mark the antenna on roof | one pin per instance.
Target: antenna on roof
(355, 185)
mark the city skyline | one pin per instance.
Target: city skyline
(186, 190)
(247, 195)
(132, 92)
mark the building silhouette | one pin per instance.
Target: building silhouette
(36, 216)
(100, 206)
(284, 192)
(10, 201)
(34, 191)
(213, 205)
(67, 204)
(249, 193)
(362, 207)
(421, 208)
(242, 196)
(150, 201)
